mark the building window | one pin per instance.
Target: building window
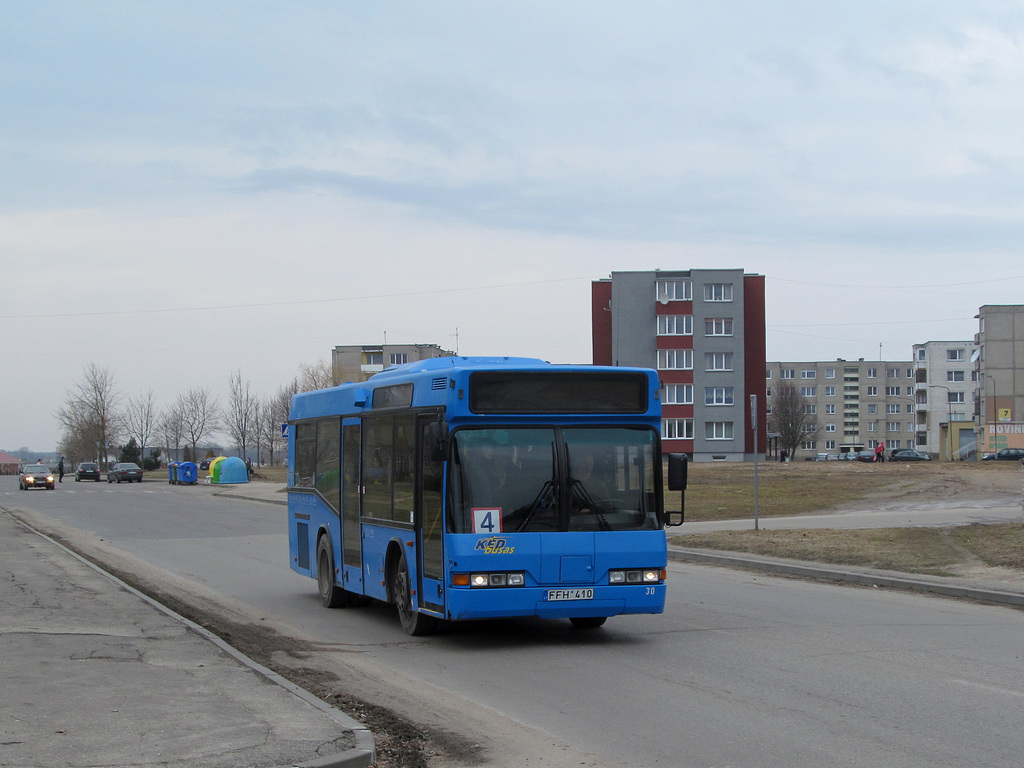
(808, 374)
(830, 408)
(808, 391)
(892, 426)
(678, 394)
(873, 426)
(399, 358)
(718, 326)
(830, 373)
(872, 408)
(675, 325)
(830, 391)
(718, 395)
(809, 445)
(892, 373)
(768, 373)
(954, 375)
(373, 358)
(787, 373)
(718, 292)
(718, 430)
(892, 391)
(830, 427)
(830, 445)
(872, 373)
(768, 392)
(677, 429)
(718, 361)
(955, 397)
(910, 373)
(810, 410)
(954, 355)
(675, 359)
(674, 290)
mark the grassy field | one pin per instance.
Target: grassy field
(726, 492)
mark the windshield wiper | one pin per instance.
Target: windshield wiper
(530, 510)
(589, 505)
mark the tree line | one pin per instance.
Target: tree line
(98, 421)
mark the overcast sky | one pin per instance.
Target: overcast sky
(189, 189)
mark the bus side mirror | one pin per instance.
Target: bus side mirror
(438, 440)
(677, 468)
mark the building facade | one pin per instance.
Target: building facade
(704, 331)
(360, 362)
(947, 381)
(855, 404)
(1000, 371)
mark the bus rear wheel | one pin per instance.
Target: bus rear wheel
(413, 622)
(331, 595)
(588, 622)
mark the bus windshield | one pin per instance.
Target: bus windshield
(553, 479)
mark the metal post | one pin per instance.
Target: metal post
(753, 425)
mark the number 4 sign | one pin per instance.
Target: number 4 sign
(487, 520)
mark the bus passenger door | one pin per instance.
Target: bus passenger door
(351, 497)
(430, 521)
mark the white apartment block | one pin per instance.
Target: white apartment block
(947, 381)
(857, 404)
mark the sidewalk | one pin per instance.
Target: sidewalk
(94, 673)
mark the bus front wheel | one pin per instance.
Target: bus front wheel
(413, 622)
(331, 595)
(588, 622)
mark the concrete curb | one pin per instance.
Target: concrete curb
(832, 573)
(360, 756)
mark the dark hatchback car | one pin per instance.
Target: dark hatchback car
(124, 472)
(909, 454)
(1006, 454)
(87, 471)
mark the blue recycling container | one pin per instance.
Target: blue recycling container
(188, 473)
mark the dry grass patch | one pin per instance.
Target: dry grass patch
(913, 550)
(995, 545)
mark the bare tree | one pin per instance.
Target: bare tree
(90, 416)
(199, 413)
(790, 418)
(139, 420)
(240, 415)
(317, 376)
(273, 413)
(171, 430)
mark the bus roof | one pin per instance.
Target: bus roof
(426, 383)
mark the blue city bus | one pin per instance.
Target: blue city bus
(475, 488)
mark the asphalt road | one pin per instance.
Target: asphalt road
(741, 670)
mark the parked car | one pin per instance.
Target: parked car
(124, 471)
(35, 476)
(825, 457)
(1006, 454)
(87, 471)
(865, 456)
(205, 463)
(909, 454)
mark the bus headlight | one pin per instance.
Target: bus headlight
(637, 576)
(498, 579)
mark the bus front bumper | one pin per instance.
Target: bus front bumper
(555, 602)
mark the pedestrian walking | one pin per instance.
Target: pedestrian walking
(60, 470)
(880, 453)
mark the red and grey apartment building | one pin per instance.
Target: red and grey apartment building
(704, 332)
